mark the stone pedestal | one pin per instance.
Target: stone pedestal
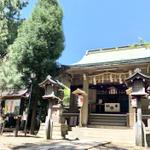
(132, 114)
(52, 128)
(49, 122)
(53, 122)
(139, 128)
(57, 122)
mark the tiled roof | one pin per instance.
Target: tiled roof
(120, 54)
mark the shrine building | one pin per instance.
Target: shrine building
(102, 74)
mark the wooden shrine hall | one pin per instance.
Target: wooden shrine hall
(102, 74)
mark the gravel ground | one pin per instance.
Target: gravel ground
(8, 142)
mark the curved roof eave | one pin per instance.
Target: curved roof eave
(112, 63)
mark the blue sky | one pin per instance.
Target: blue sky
(92, 24)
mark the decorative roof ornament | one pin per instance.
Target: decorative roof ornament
(49, 77)
(137, 70)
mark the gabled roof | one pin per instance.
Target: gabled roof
(115, 55)
(13, 93)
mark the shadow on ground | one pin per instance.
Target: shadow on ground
(68, 145)
(27, 136)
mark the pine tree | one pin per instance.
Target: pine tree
(9, 22)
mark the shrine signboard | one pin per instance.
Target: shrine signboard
(12, 106)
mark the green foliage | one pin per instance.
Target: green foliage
(40, 41)
(141, 43)
(10, 78)
(38, 45)
(66, 96)
(9, 22)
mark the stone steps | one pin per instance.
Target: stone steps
(107, 123)
(108, 120)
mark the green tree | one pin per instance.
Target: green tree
(39, 44)
(9, 76)
(66, 96)
(9, 22)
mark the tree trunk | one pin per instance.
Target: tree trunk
(34, 102)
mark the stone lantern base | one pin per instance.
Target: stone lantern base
(54, 123)
(56, 119)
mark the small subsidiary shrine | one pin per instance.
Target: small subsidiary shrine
(102, 74)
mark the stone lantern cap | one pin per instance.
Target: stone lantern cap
(50, 81)
(136, 76)
(137, 83)
(51, 87)
(79, 92)
(52, 97)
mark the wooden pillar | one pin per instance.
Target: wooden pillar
(80, 117)
(17, 126)
(148, 69)
(85, 105)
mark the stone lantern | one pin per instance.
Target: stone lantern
(80, 101)
(53, 93)
(138, 84)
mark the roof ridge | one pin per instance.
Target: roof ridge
(92, 51)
